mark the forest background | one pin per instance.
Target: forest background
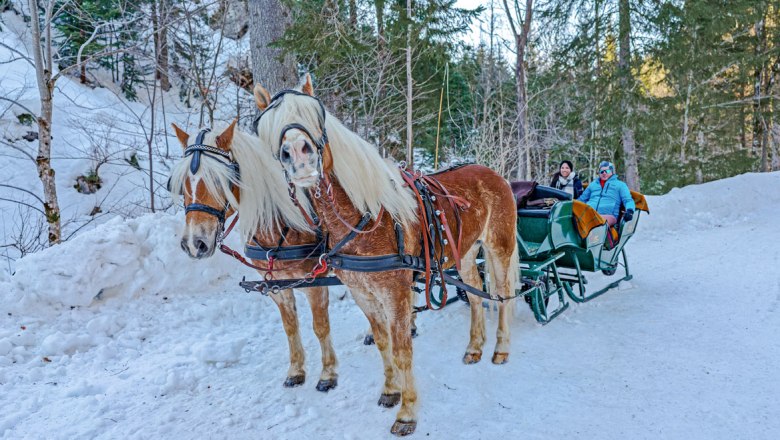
(674, 92)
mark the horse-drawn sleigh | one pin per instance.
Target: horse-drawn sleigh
(317, 200)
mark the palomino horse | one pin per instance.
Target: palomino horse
(209, 181)
(348, 178)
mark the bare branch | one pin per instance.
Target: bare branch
(25, 204)
(21, 55)
(18, 148)
(19, 104)
(22, 190)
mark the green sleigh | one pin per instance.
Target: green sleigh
(558, 241)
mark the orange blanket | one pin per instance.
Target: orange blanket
(640, 201)
(585, 218)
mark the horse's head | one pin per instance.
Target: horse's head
(293, 123)
(207, 178)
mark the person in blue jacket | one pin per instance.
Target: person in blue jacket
(607, 193)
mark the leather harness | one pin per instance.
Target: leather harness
(429, 193)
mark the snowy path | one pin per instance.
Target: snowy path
(686, 350)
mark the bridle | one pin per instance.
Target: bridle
(197, 150)
(320, 144)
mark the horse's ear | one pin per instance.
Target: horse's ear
(262, 97)
(181, 135)
(226, 138)
(306, 86)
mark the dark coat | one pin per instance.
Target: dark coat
(576, 183)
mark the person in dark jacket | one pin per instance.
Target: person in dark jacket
(606, 193)
(566, 179)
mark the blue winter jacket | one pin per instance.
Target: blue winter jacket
(607, 200)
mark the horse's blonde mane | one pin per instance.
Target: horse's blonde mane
(264, 201)
(369, 181)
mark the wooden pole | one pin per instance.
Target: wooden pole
(438, 130)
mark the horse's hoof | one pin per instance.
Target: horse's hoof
(401, 428)
(472, 358)
(500, 358)
(294, 381)
(368, 340)
(389, 400)
(326, 385)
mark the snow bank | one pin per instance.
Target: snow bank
(713, 204)
(121, 258)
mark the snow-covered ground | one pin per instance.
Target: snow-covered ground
(117, 334)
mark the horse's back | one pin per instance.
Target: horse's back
(492, 203)
(474, 182)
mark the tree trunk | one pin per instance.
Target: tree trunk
(42, 52)
(626, 84)
(353, 14)
(270, 67)
(161, 45)
(523, 161)
(409, 145)
(523, 167)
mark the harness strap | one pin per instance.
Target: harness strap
(426, 251)
(354, 231)
(284, 253)
(220, 215)
(456, 203)
(227, 250)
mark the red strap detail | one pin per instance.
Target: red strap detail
(320, 268)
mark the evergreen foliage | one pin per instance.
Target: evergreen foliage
(700, 97)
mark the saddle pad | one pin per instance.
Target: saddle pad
(522, 191)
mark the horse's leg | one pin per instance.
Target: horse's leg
(318, 300)
(470, 275)
(372, 308)
(296, 374)
(503, 259)
(397, 306)
(369, 339)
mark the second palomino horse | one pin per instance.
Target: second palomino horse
(348, 180)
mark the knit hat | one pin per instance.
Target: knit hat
(607, 164)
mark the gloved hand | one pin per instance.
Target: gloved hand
(628, 215)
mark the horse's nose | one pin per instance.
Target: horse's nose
(284, 153)
(202, 247)
(184, 245)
